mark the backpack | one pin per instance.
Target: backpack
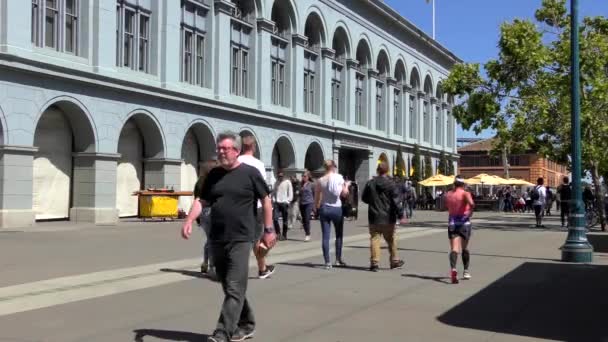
(536, 193)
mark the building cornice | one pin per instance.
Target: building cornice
(352, 63)
(224, 6)
(328, 53)
(299, 40)
(266, 25)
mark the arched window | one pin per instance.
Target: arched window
(438, 121)
(364, 59)
(283, 17)
(341, 46)
(242, 41)
(193, 42)
(313, 30)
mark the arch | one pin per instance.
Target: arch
(314, 158)
(383, 63)
(314, 29)
(151, 131)
(341, 43)
(439, 94)
(400, 71)
(246, 131)
(415, 79)
(285, 16)
(428, 85)
(80, 119)
(283, 154)
(250, 9)
(198, 147)
(364, 53)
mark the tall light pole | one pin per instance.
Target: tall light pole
(577, 247)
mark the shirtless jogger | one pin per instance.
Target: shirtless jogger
(460, 208)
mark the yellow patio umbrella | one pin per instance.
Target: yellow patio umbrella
(486, 179)
(438, 180)
(515, 181)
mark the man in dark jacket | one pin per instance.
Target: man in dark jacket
(385, 207)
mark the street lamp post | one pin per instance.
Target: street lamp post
(577, 247)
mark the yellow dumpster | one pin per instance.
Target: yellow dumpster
(159, 204)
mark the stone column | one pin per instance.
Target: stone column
(16, 189)
(16, 26)
(94, 182)
(444, 122)
(222, 50)
(335, 154)
(104, 41)
(170, 52)
(432, 126)
(265, 30)
(349, 106)
(162, 172)
(297, 79)
(420, 134)
(406, 109)
(327, 57)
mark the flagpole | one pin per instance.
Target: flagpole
(433, 19)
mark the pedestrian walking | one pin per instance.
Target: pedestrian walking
(204, 219)
(565, 194)
(282, 195)
(307, 201)
(539, 198)
(232, 191)
(328, 191)
(260, 251)
(460, 209)
(385, 208)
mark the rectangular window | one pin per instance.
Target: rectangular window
(282, 101)
(200, 60)
(310, 67)
(379, 107)
(398, 119)
(240, 57)
(71, 26)
(336, 92)
(244, 80)
(133, 37)
(51, 27)
(413, 114)
(187, 63)
(359, 112)
(278, 58)
(235, 71)
(144, 46)
(273, 86)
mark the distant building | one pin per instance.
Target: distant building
(475, 158)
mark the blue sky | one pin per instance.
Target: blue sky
(470, 28)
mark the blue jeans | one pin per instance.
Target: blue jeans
(327, 216)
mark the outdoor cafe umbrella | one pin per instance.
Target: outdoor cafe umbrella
(438, 180)
(485, 179)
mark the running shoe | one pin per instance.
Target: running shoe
(454, 276)
(466, 275)
(266, 273)
(397, 264)
(242, 335)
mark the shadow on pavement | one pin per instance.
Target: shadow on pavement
(312, 265)
(443, 280)
(188, 273)
(562, 302)
(169, 335)
(599, 242)
(472, 254)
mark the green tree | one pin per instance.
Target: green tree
(525, 95)
(450, 168)
(417, 172)
(443, 164)
(428, 166)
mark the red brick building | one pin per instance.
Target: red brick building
(475, 158)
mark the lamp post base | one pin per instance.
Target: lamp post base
(577, 252)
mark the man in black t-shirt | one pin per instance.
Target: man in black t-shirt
(565, 196)
(232, 192)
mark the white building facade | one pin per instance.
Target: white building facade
(101, 98)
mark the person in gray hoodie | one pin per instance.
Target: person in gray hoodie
(385, 207)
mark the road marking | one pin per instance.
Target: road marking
(57, 291)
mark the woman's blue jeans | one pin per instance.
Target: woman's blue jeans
(327, 216)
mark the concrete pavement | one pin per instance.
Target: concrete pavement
(138, 282)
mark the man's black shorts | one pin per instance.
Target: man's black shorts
(463, 230)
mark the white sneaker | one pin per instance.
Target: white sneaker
(307, 238)
(466, 275)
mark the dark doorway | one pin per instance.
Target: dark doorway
(354, 164)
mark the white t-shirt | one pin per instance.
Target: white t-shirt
(331, 188)
(542, 195)
(255, 162)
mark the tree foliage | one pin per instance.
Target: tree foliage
(524, 94)
(428, 166)
(443, 164)
(417, 172)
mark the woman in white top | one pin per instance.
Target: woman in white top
(328, 191)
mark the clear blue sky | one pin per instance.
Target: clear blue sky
(470, 28)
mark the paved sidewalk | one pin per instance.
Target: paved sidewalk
(138, 282)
